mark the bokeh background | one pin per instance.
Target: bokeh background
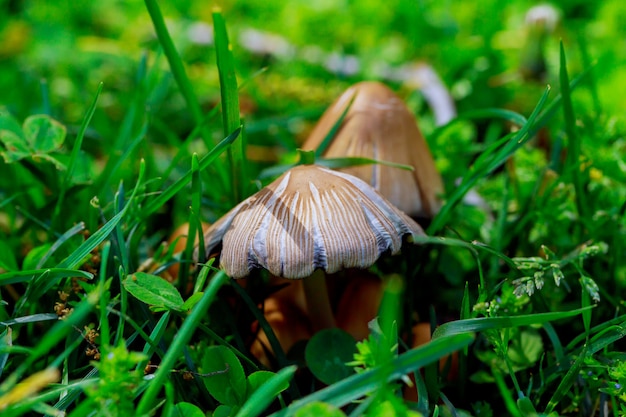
(481, 49)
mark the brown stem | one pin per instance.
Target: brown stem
(317, 301)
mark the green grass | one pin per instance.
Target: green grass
(117, 126)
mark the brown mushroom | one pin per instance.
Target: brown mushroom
(309, 221)
(378, 125)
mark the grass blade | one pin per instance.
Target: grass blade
(72, 162)
(16, 277)
(567, 381)
(35, 318)
(333, 130)
(488, 164)
(195, 226)
(187, 90)
(105, 335)
(484, 323)
(78, 256)
(332, 163)
(157, 334)
(115, 163)
(182, 338)
(176, 65)
(158, 202)
(263, 397)
(230, 106)
(573, 148)
(51, 339)
(489, 113)
(60, 241)
(358, 385)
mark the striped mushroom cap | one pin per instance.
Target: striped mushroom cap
(378, 125)
(309, 218)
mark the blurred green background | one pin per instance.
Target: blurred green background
(476, 47)
(53, 55)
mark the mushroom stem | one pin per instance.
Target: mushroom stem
(317, 301)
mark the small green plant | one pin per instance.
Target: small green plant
(233, 390)
(615, 384)
(119, 379)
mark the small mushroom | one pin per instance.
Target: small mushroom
(308, 221)
(541, 22)
(423, 77)
(378, 125)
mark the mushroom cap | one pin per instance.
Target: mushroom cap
(378, 125)
(309, 218)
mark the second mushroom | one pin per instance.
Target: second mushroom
(379, 125)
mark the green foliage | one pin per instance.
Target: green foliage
(118, 381)
(615, 383)
(228, 386)
(154, 291)
(39, 138)
(184, 409)
(319, 409)
(327, 353)
(226, 381)
(120, 122)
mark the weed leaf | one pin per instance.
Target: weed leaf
(43, 133)
(184, 409)
(154, 291)
(327, 353)
(227, 387)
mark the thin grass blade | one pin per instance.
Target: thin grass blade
(71, 165)
(183, 336)
(488, 164)
(358, 385)
(574, 146)
(168, 193)
(333, 130)
(51, 339)
(98, 237)
(485, 323)
(263, 397)
(230, 107)
(16, 277)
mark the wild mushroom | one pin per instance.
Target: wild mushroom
(378, 125)
(309, 221)
(541, 22)
(423, 77)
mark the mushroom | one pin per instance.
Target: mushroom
(541, 22)
(423, 77)
(309, 221)
(378, 125)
